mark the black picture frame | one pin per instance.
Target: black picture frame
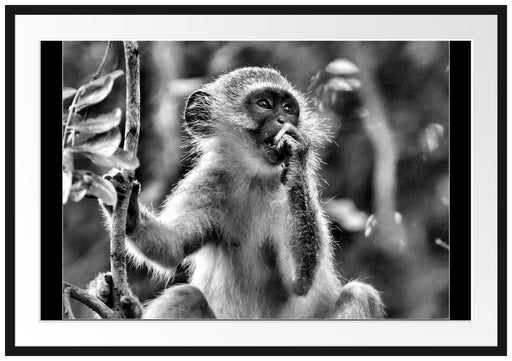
(460, 150)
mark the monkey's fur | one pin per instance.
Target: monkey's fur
(247, 217)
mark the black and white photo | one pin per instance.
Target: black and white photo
(255, 180)
(296, 180)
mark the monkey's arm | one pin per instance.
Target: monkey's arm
(167, 240)
(304, 229)
(164, 240)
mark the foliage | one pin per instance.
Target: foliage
(101, 141)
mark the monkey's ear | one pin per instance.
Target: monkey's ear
(198, 114)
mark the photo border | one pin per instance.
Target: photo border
(12, 11)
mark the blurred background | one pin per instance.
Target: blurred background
(385, 175)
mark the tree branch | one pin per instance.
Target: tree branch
(90, 301)
(131, 140)
(390, 233)
(68, 311)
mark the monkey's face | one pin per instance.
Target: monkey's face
(271, 109)
(243, 115)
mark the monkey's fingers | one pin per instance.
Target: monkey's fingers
(119, 177)
(290, 130)
(285, 129)
(119, 182)
(132, 216)
(136, 187)
(134, 196)
(287, 145)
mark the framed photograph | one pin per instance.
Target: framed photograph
(329, 183)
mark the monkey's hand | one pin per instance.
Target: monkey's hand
(121, 185)
(295, 146)
(101, 287)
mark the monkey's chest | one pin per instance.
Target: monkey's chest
(240, 280)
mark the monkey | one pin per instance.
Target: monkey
(246, 219)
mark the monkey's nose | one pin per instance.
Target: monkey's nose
(280, 120)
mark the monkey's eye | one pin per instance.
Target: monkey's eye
(264, 103)
(288, 109)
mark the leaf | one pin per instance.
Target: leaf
(82, 179)
(120, 159)
(86, 182)
(114, 75)
(67, 161)
(100, 124)
(68, 92)
(103, 190)
(67, 174)
(77, 195)
(103, 144)
(94, 93)
(97, 90)
(66, 186)
(75, 118)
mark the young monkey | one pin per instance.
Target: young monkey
(246, 218)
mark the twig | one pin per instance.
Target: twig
(103, 61)
(90, 301)
(94, 77)
(71, 111)
(68, 311)
(131, 139)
